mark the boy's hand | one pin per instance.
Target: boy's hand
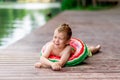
(55, 66)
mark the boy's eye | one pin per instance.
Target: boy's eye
(55, 37)
(61, 38)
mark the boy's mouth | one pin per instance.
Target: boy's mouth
(56, 44)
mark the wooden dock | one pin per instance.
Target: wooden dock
(100, 27)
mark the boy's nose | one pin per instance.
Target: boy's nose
(57, 40)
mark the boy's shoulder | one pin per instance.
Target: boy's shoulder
(49, 44)
(69, 47)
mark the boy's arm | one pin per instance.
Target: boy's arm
(65, 55)
(44, 59)
(45, 55)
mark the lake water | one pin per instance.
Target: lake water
(18, 20)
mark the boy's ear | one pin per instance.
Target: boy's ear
(68, 41)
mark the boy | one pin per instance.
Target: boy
(59, 46)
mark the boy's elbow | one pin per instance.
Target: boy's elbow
(42, 58)
(61, 63)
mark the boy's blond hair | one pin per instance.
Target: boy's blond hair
(65, 28)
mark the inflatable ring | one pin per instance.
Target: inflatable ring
(81, 52)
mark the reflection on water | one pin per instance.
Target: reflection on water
(16, 23)
(27, 6)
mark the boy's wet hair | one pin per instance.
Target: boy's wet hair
(65, 28)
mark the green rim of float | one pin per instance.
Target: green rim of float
(81, 52)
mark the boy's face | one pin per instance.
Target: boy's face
(60, 39)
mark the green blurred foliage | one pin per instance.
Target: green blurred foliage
(85, 5)
(68, 4)
(8, 0)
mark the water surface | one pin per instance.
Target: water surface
(18, 20)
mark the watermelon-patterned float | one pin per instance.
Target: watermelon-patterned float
(81, 52)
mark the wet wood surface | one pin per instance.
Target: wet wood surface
(100, 27)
